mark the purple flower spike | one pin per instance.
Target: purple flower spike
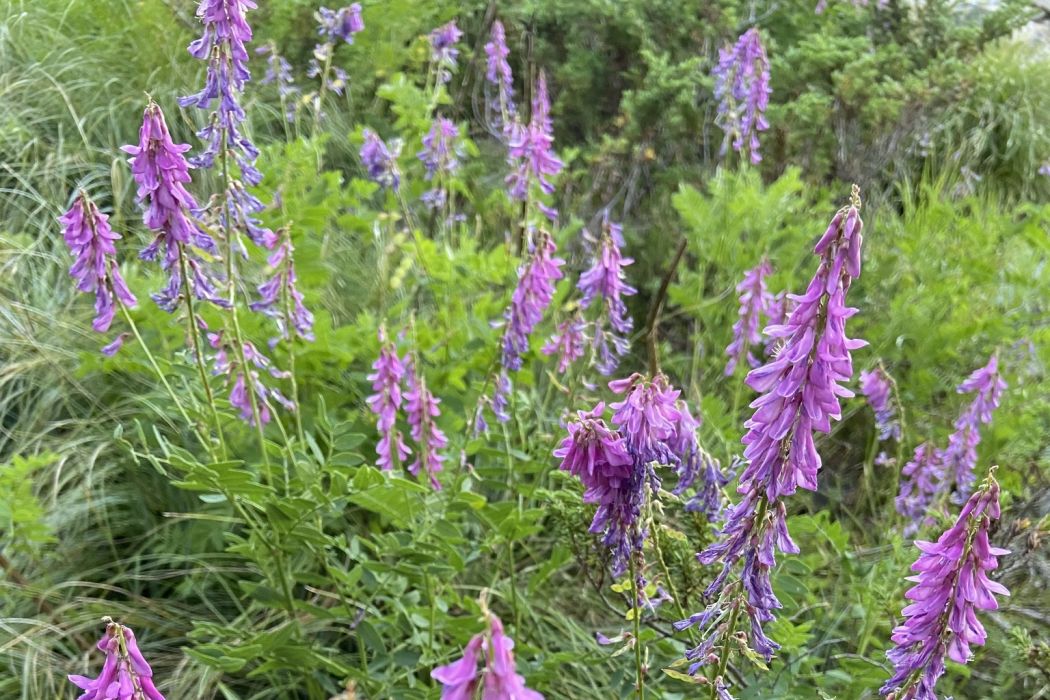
(243, 377)
(960, 457)
(441, 157)
(280, 298)
(604, 282)
(922, 479)
(388, 373)
(499, 680)
(340, 25)
(380, 161)
(755, 301)
(88, 234)
(877, 387)
(696, 467)
(567, 342)
(648, 417)
(530, 150)
(498, 72)
(443, 51)
(125, 674)
(951, 585)
(742, 90)
(422, 408)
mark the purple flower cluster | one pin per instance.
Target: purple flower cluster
(243, 376)
(960, 457)
(530, 150)
(443, 51)
(537, 277)
(696, 467)
(877, 387)
(497, 680)
(339, 25)
(951, 585)
(90, 238)
(777, 314)
(278, 71)
(440, 157)
(742, 90)
(380, 161)
(161, 172)
(604, 282)
(755, 301)
(280, 298)
(922, 479)
(125, 674)
(222, 46)
(388, 373)
(498, 72)
(567, 342)
(422, 408)
(800, 390)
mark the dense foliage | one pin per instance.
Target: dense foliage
(455, 361)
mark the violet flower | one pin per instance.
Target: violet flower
(604, 282)
(800, 391)
(498, 72)
(339, 25)
(162, 172)
(648, 417)
(776, 315)
(960, 457)
(280, 298)
(951, 585)
(242, 377)
(125, 674)
(498, 680)
(877, 387)
(440, 157)
(530, 151)
(567, 342)
(922, 479)
(278, 71)
(742, 90)
(388, 373)
(696, 467)
(443, 51)
(90, 239)
(755, 301)
(380, 161)
(421, 409)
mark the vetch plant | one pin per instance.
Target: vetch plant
(604, 286)
(960, 457)
(387, 377)
(742, 90)
(755, 302)
(125, 675)
(878, 386)
(922, 480)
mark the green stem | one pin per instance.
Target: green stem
(636, 611)
(723, 662)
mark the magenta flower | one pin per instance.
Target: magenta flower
(339, 25)
(530, 151)
(604, 283)
(388, 373)
(648, 418)
(960, 457)
(88, 234)
(162, 172)
(125, 674)
(877, 387)
(498, 680)
(742, 90)
(568, 342)
(951, 585)
(421, 409)
(922, 479)
(800, 390)
(440, 156)
(755, 302)
(380, 162)
(443, 51)
(696, 467)
(280, 298)
(497, 69)
(243, 376)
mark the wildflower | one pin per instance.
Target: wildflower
(388, 373)
(604, 281)
(381, 162)
(530, 152)
(125, 674)
(951, 585)
(341, 24)
(776, 315)
(800, 390)
(440, 157)
(742, 90)
(567, 342)
(960, 457)
(648, 417)
(162, 172)
(532, 295)
(499, 680)
(88, 234)
(443, 51)
(877, 387)
(422, 408)
(922, 479)
(240, 366)
(696, 466)
(280, 297)
(278, 71)
(755, 301)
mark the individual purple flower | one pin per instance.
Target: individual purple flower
(951, 585)
(443, 51)
(960, 457)
(240, 366)
(498, 72)
(499, 680)
(90, 239)
(755, 302)
(922, 479)
(380, 161)
(222, 46)
(440, 157)
(161, 172)
(388, 373)
(530, 150)
(742, 90)
(422, 408)
(537, 277)
(567, 342)
(280, 298)
(339, 25)
(605, 282)
(125, 674)
(877, 387)
(800, 390)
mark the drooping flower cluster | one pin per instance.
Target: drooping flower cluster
(90, 238)
(755, 301)
(333, 26)
(161, 173)
(960, 457)
(422, 408)
(498, 678)
(339, 25)
(877, 387)
(605, 283)
(530, 151)
(125, 674)
(498, 73)
(742, 90)
(567, 342)
(951, 585)
(922, 479)
(441, 157)
(388, 373)
(380, 161)
(240, 366)
(800, 390)
(537, 277)
(280, 298)
(278, 71)
(697, 468)
(443, 51)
